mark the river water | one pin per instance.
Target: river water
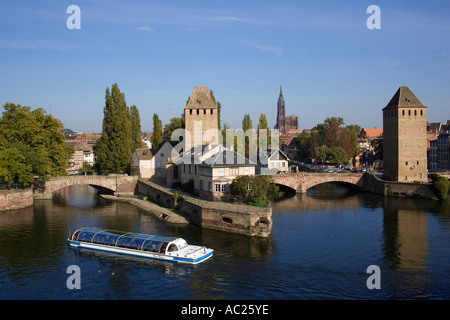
(321, 246)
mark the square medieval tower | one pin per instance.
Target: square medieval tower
(405, 138)
(201, 119)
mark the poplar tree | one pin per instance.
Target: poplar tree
(249, 139)
(263, 125)
(114, 148)
(157, 136)
(219, 107)
(136, 131)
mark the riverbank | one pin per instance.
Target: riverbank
(161, 213)
(16, 199)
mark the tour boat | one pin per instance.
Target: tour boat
(140, 245)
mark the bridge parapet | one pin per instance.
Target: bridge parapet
(302, 181)
(115, 183)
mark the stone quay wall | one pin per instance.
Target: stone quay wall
(16, 199)
(398, 189)
(229, 217)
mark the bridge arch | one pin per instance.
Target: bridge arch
(115, 183)
(301, 182)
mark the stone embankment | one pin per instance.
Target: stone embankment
(161, 213)
(16, 199)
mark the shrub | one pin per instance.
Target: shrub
(440, 186)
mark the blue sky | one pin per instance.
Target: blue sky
(328, 62)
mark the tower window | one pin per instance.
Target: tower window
(406, 162)
(409, 112)
(190, 111)
(204, 111)
(211, 111)
(415, 112)
(198, 111)
(403, 112)
(421, 112)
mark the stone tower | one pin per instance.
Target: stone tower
(405, 138)
(201, 118)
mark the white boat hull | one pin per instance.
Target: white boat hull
(196, 255)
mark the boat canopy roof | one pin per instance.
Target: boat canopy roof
(122, 239)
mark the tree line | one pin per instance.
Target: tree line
(121, 134)
(31, 145)
(329, 141)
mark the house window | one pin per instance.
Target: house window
(210, 186)
(201, 185)
(225, 187)
(234, 171)
(201, 170)
(246, 171)
(221, 172)
(162, 155)
(158, 164)
(217, 187)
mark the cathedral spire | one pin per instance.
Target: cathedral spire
(281, 98)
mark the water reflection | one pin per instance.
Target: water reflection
(405, 234)
(405, 222)
(335, 233)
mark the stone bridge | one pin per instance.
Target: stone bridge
(117, 184)
(302, 181)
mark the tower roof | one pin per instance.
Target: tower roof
(404, 98)
(280, 97)
(201, 98)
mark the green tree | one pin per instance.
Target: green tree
(250, 146)
(258, 190)
(338, 155)
(353, 132)
(377, 145)
(42, 135)
(321, 153)
(86, 168)
(331, 134)
(136, 131)
(14, 168)
(114, 148)
(175, 123)
(440, 186)
(224, 133)
(157, 136)
(39, 165)
(263, 125)
(219, 107)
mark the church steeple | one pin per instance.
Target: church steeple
(280, 112)
(281, 98)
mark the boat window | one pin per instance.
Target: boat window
(85, 236)
(172, 247)
(105, 238)
(75, 235)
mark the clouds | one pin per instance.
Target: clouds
(145, 28)
(264, 48)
